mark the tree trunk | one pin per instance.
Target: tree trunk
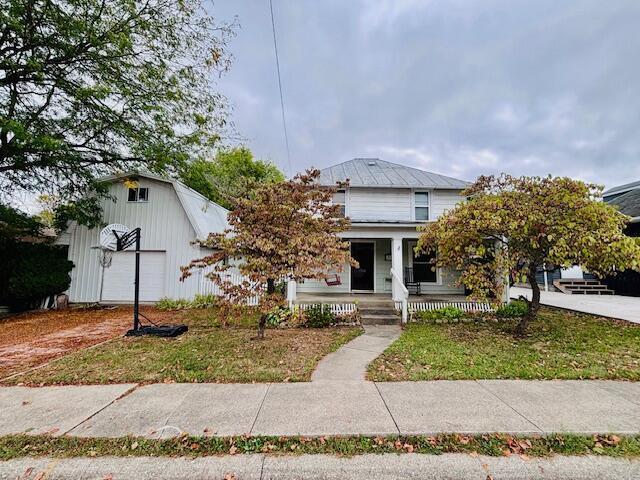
(271, 289)
(534, 304)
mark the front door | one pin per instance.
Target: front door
(362, 278)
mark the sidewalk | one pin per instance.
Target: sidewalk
(612, 306)
(363, 467)
(324, 408)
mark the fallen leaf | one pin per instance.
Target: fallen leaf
(233, 450)
(134, 445)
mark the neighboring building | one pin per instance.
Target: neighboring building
(627, 199)
(386, 202)
(171, 217)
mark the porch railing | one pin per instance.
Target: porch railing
(464, 306)
(399, 284)
(335, 308)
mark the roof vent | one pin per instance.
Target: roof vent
(371, 163)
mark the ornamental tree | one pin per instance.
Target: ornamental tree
(522, 225)
(93, 87)
(285, 230)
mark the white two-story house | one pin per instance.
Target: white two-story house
(386, 202)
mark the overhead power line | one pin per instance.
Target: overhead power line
(284, 120)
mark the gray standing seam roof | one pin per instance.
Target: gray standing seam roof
(373, 172)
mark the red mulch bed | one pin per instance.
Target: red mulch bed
(33, 338)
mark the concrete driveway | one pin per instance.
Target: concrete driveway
(612, 306)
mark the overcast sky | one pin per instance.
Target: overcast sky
(455, 87)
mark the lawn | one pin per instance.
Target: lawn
(207, 353)
(560, 345)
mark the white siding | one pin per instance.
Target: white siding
(320, 286)
(383, 267)
(443, 200)
(165, 227)
(390, 204)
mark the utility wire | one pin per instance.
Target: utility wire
(284, 121)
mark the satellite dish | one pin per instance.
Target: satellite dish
(108, 240)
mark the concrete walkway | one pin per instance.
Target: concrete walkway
(612, 306)
(350, 361)
(363, 467)
(324, 408)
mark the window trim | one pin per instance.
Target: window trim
(414, 205)
(346, 200)
(137, 196)
(410, 253)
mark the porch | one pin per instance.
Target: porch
(388, 269)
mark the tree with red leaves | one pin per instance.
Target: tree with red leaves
(283, 230)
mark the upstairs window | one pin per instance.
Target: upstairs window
(421, 205)
(138, 194)
(340, 198)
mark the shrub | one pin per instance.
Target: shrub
(278, 315)
(318, 316)
(33, 272)
(444, 313)
(199, 301)
(514, 309)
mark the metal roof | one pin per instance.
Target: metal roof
(373, 172)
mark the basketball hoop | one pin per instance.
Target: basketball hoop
(116, 238)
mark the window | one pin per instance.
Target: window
(421, 205)
(140, 194)
(424, 268)
(340, 198)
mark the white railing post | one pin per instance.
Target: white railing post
(291, 292)
(404, 293)
(404, 311)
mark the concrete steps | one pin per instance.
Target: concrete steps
(579, 286)
(378, 313)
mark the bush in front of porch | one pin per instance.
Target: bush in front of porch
(560, 345)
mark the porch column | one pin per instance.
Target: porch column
(396, 266)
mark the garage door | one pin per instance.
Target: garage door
(118, 279)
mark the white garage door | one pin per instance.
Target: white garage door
(119, 277)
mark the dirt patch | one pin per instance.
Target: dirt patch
(34, 338)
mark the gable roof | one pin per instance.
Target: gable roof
(628, 203)
(373, 172)
(621, 189)
(204, 215)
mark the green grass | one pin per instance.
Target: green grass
(560, 345)
(204, 354)
(17, 446)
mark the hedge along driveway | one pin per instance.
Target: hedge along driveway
(204, 354)
(560, 345)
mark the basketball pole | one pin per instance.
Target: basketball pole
(136, 294)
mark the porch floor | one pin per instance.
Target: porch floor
(372, 298)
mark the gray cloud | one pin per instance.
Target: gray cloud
(456, 87)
